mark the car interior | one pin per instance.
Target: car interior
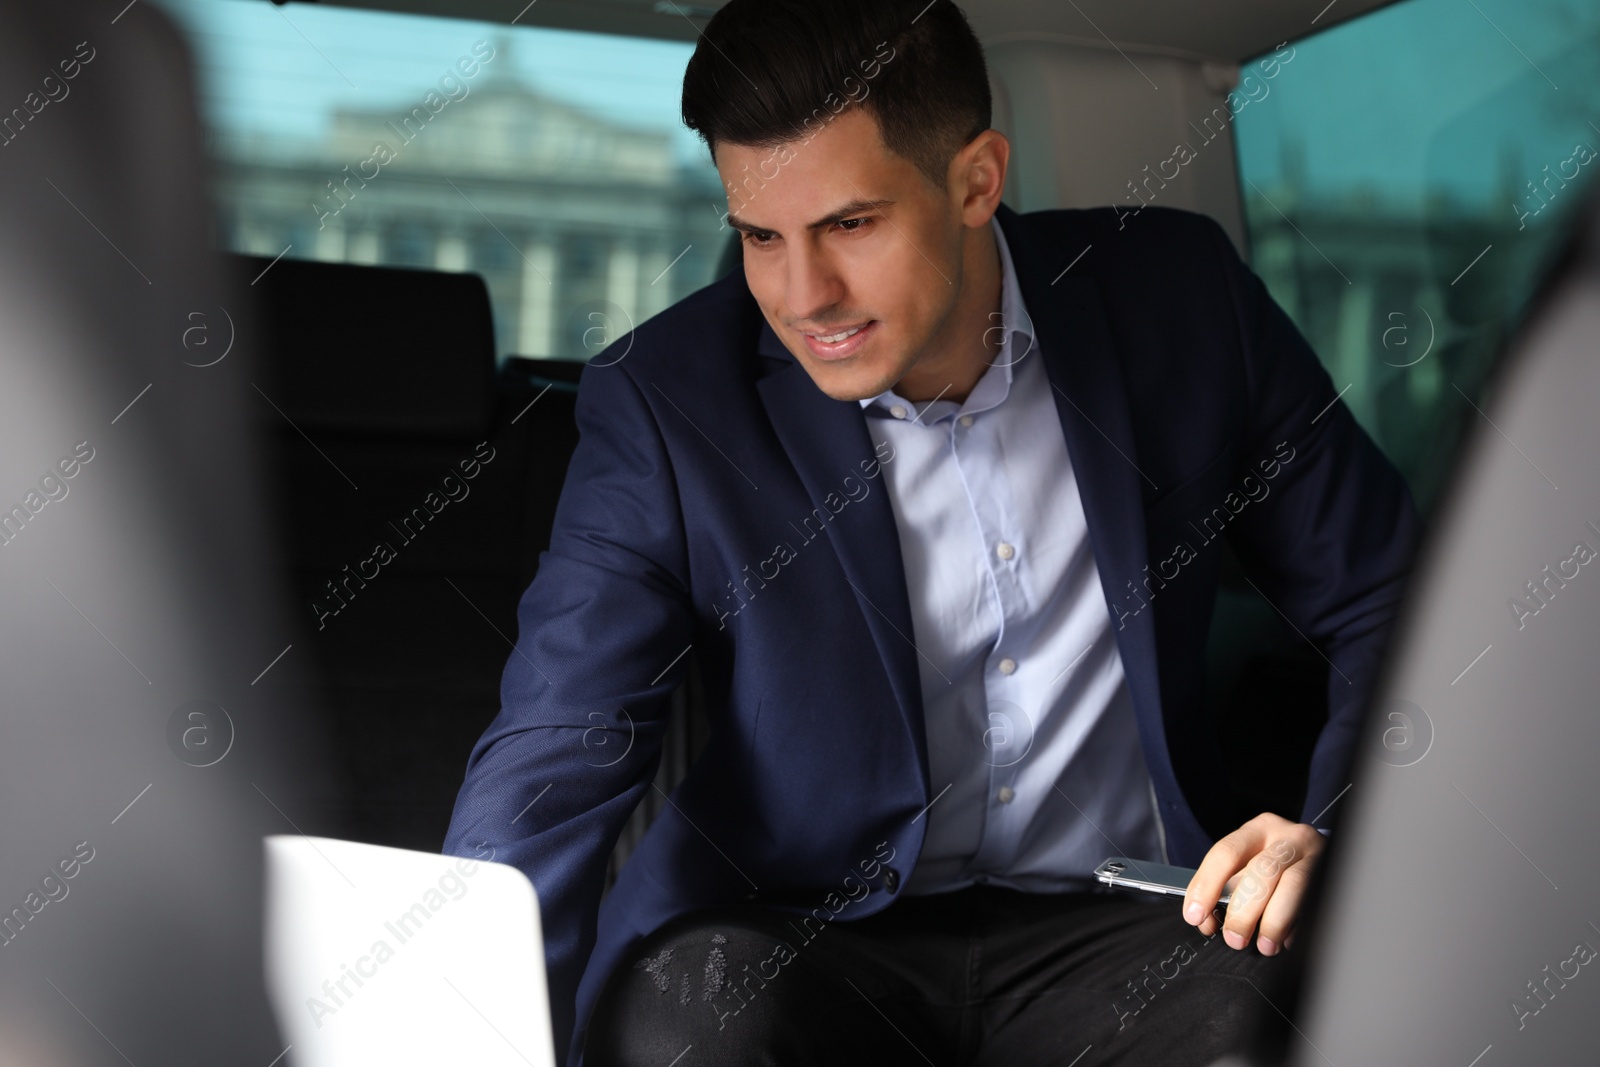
(407, 321)
(1403, 175)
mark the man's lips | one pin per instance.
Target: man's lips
(841, 349)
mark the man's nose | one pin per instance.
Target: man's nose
(812, 287)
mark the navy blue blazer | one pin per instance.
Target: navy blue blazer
(719, 501)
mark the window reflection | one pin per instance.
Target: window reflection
(1406, 192)
(553, 163)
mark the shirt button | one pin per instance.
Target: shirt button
(966, 420)
(1008, 665)
(898, 412)
(1006, 794)
(1004, 550)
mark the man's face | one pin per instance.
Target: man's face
(895, 268)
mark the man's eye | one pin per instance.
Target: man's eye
(762, 240)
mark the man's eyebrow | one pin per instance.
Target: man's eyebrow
(854, 207)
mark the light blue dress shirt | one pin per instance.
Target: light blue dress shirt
(1036, 773)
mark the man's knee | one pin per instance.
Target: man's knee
(711, 979)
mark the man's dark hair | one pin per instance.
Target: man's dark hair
(768, 73)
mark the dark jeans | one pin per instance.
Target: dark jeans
(981, 976)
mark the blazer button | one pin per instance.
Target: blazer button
(891, 879)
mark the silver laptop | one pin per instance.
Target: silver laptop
(383, 955)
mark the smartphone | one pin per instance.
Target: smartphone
(1124, 873)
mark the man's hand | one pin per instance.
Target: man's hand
(1267, 863)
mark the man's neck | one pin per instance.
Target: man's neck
(972, 337)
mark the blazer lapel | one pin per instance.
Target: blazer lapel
(826, 440)
(1069, 329)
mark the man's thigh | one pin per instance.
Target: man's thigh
(746, 985)
(1116, 980)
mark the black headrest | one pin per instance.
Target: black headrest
(365, 350)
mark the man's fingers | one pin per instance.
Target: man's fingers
(1277, 919)
(1265, 865)
(1257, 886)
(1225, 859)
(1209, 923)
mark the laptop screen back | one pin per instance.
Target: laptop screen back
(383, 955)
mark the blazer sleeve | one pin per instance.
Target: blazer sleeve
(1332, 544)
(600, 632)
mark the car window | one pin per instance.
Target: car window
(1412, 179)
(554, 163)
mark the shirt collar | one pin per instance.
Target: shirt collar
(1015, 342)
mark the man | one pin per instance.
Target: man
(928, 491)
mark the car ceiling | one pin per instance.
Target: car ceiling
(1233, 30)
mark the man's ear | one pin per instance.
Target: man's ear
(978, 176)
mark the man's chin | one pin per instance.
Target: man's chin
(841, 381)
